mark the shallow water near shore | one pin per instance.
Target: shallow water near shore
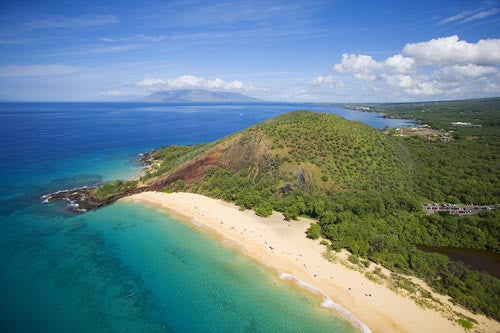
(127, 268)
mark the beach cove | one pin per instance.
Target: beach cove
(127, 267)
(73, 272)
(282, 246)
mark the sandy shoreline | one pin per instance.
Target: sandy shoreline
(283, 246)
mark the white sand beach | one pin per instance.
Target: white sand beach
(282, 246)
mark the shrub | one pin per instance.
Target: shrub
(353, 259)
(314, 231)
(263, 209)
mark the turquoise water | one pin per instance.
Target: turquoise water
(125, 267)
(134, 269)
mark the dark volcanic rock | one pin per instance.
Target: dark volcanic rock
(80, 199)
(84, 198)
(146, 158)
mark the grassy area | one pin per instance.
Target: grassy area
(465, 324)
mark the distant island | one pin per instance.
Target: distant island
(364, 187)
(197, 95)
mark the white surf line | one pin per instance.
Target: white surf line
(328, 303)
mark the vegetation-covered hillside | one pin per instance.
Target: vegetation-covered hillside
(365, 189)
(285, 160)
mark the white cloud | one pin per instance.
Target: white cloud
(144, 38)
(235, 85)
(424, 88)
(185, 81)
(91, 49)
(481, 15)
(320, 80)
(190, 81)
(400, 64)
(469, 15)
(445, 67)
(491, 86)
(362, 66)
(465, 71)
(137, 38)
(107, 40)
(326, 81)
(451, 51)
(398, 80)
(115, 93)
(457, 17)
(72, 22)
(35, 70)
(217, 83)
(150, 82)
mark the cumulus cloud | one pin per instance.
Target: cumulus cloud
(190, 81)
(424, 88)
(328, 81)
(217, 83)
(466, 71)
(398, 80)
(364, 67)
(187, 81)
(451, 50)
(400, 64)
(444, 66)
(361, 66)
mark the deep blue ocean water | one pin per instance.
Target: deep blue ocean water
(128, 268)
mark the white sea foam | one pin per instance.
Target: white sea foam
(328, 303)
(196, 223)
(46, 197)
(62, 191)
(74, 205)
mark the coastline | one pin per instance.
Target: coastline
(283, 247)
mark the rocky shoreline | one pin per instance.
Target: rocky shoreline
(85, 198)
(147, 158)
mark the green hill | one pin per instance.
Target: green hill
(299, 154)
(365, 189)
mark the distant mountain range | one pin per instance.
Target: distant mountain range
(197, 95)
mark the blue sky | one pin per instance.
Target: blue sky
(320, 51)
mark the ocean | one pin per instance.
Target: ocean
(125, 267)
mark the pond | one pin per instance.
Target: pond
(481, 260)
